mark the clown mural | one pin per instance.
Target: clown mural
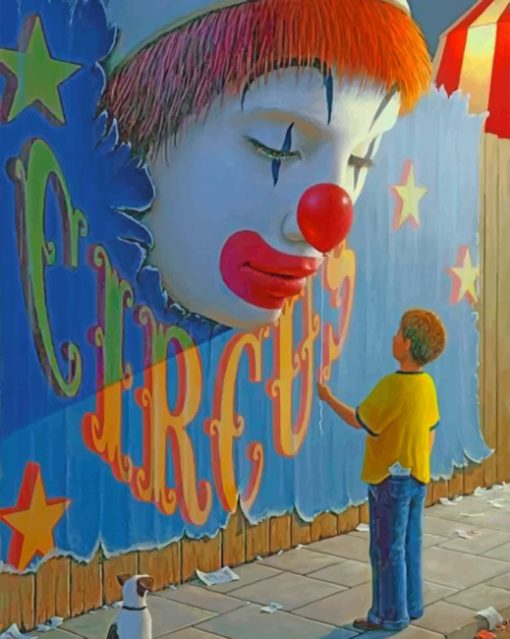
(186, 168)
(259, 121)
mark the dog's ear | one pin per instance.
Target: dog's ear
(123, 578)
(144, 584)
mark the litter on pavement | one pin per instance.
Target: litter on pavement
(444, 501)
(222, 576)
(272, 607)
(491, 616)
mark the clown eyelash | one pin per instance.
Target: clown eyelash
(273, 154)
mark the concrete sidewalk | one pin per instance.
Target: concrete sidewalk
(324, 586)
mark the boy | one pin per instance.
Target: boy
(400, 416)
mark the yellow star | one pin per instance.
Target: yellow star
(35, 77)
(408, 195)
(32, 520)
(465, 277)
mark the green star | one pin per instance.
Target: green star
(38, 76)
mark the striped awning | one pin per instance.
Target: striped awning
(474, 56)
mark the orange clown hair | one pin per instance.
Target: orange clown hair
(182, 72)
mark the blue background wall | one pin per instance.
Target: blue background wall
(435, 16)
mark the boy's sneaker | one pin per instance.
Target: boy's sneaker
(366, 626)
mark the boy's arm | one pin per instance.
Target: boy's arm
(345, 412)
(432, 439)
(434, 414)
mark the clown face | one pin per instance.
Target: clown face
(248, 200)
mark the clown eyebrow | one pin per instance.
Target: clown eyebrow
(309, 126)
(385, 101)
(318, 66)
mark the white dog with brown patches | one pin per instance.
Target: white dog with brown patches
(134, 619)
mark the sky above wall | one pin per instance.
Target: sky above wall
(435, 16)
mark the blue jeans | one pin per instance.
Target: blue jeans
(396, 515)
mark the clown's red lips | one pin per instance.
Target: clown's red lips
(261, 275)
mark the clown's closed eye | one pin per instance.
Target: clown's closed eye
(355, 161)
(270, 153)
(363, 155)
(358, 162)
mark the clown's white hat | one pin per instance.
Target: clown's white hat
(142, 21)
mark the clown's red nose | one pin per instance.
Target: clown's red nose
(324, 216)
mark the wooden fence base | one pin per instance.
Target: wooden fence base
(65, 588)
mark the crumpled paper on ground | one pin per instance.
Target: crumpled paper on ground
(492, 616)
(444, 501)
(466, 534)
(53, 623)
(13, 632)
(487, 492)
(272, 607)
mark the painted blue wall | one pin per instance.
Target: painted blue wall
(396, 269)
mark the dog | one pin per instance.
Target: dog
(134, 619)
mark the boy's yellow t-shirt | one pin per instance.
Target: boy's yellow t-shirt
(398, 415)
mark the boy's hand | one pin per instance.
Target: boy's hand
(347, 413)
(324, 392)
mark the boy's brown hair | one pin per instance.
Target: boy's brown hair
(426, 333)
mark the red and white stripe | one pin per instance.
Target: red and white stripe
(474, 56)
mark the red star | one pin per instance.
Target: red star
(32, 519)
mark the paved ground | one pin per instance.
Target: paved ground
(324, 586)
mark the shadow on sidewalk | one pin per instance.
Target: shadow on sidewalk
(349, 632)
